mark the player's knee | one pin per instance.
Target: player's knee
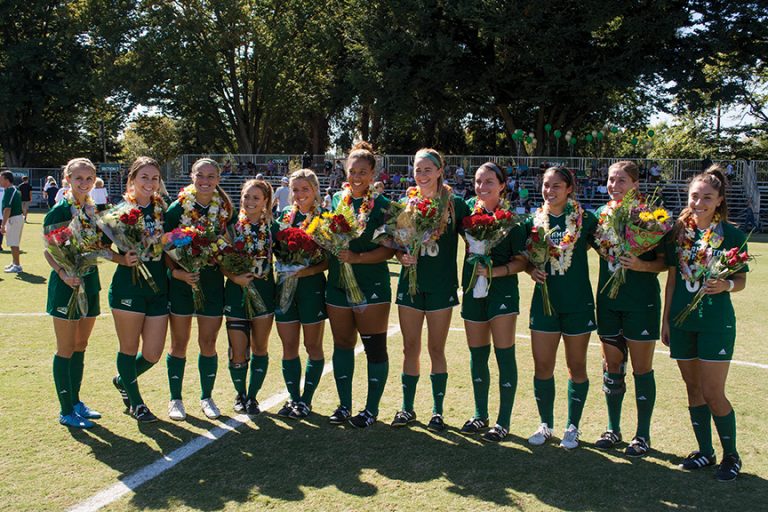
(614, 384)
(375, 347)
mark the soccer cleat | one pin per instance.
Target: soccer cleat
(495, 434)
(252, 407)
(638, 447)
(729, 468)
(608, 440)
(176, 410)
(541, 436)
(121, 390)
(436, 423)
(300, 411)
(474, 426)
(86, 412)
(8, 265)
(570, 438)
(75, 421)
(209, 408)
(363, 419)
(696, 460)
(286, 409)
(13, 269)
(402, 418)
(239, 405)
(142, 414)
(340, 415)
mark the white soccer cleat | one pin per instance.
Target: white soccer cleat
(209, 408)
(570, 439)
(541, 436)
(176, 410)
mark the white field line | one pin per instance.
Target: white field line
(166, 462)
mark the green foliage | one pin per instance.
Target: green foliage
(155, 136)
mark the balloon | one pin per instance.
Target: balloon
(558, 134)
(568, 137)
(570, 132)
(530, 134)
(634, 141)
(588, 137)
(594, 133)
(614, 129)
(600, 135)
(519, 131)
(573, 140)
(529, 139)
(651, 133)
(547, 127)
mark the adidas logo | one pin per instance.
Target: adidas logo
(507, 385)
(319, 313)
(537, 399)
(645, 332)
(399, 297)
(227, 308)
(289, 383)
(722, 352)
(135, 381)
(642, 398)
(441, 394)
(374, 296)
(726, 437)
(478, 380)
(695, 423)
(576, 399)
(373, 379)
(590, 323)
(450, 300)
(212, 375)
(63, 391)
(175, 377)
(503, 306)
(126, 302)
(259, 370)
(62, 310)
(238, 380)
(307, 383)
(342, 377)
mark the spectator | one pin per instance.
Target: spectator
(271, 167)
(26, 196)
(13, 219)
(328, 167)
(523, 193)
(282, 195)
(510, 168)
(654, 173)
(706, 163)
(327, 200)
(64, 187)
(227, 167)
(459, 174)
(384, 176)
(99, 195)
(396, 180)
(511, 183)
(338, 167)
(410, 181)
(306, 161)
(378, 188)
(50, 189)
(729, 171)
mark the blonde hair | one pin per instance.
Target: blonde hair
(76, 163)
(266, 189)
(209, 161)
(99, 183)
(310, 177)
(628, 167)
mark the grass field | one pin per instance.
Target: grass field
(271, 463)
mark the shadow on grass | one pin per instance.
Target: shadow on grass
(271, 460)
(31, 278)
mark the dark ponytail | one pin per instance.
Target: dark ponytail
(715, 178)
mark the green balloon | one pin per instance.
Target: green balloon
(599, 135)
(634, 141)
(528, 140)
(573, 141)
(651, 133)
(558, 134)
(614, 129)
(547, 127)
(519, 131)
(588, 137)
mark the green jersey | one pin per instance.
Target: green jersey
(641, 289)
(436, 268)
(60, 214)
(715, 311)
(510, 245)
(124, 276)
(366, 274)
(12, 200)
(570, 291)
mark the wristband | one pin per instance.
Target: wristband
(730, 285)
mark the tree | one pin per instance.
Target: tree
(151, 135)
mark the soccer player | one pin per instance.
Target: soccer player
(629, 326)
(369, 264)
(703, 343)
(139, 312)
(252, 232)
(436, 295)
(203, 204)
(307, 311)
(72, 333)
(567, 276)
(496, 314)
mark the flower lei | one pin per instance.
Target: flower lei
(286, 221)
(88, 228)
(693, 260)
(479, 208)
(258, 246)
(217, 215)
(415, 193)
(560, 255)
(365, 208)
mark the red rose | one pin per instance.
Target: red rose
(239, 245)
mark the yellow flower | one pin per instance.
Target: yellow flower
(313, 225)
(646, 216)
(661, 215)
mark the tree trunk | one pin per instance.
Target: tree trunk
(365, 121)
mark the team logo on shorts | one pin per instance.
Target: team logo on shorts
(227, 309)
(374, 296)
(503, 306)
(399, 296)
(645, 332)
(126, 302)
(62, 310)
(722, 352)
(590, 323)
(450, 299)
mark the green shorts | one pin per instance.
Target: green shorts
(149, 305)
(640, 325)
(487, 308)
(212, 285)
(59, 294)
(308, 306)
(427, 301)
(706, 346)
(569, 324)
(337, 297)
(233, 299)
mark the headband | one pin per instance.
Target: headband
(433, 158)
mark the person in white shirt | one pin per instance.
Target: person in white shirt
(282, 195)
(327, 200)
(99, 195)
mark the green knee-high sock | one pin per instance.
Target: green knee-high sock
(292, 377)
(312, 373)
(481, 378)
(577, 396)
(377, 380)
(409, 390)
(61, 380)
(207, 366)
(544, 392)
(175, 375)
(439, 385)
(238, 373)
(259, 366)
(726, 430)
(614, 388)
(701, 420)
(76, 368)
(505, 357)
(343, 370)
(126, 367)
(142, 365)
(645, 397)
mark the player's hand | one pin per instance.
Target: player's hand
(538, 276)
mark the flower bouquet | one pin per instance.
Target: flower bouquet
(728, 263)
(295, 250)
(234, 259)
(192, 250)
(75, 246)
(537, 248)
(333, 231)
(483, 232)
(125, 226)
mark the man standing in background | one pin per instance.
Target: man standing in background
(13, 220)
(26, 196)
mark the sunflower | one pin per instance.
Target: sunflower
(646, 216)
(661, 215)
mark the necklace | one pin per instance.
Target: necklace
(694, 256)
(560, 255)
(365, 208)
(286, 221)
(217, 215)
(82, 212)
(152, 233)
